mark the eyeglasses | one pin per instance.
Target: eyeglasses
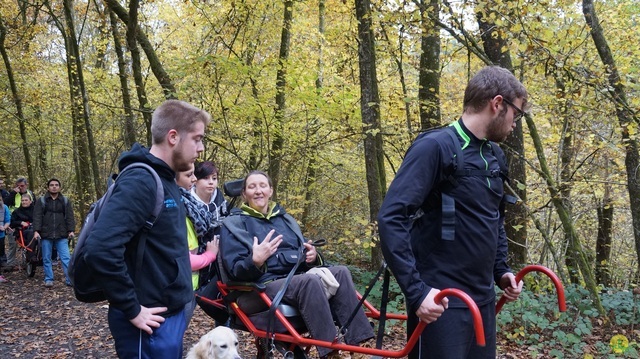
(519, 111)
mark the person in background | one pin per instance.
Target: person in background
(4, 195)
(54, 223)
(147, 307)
(13, 201)
(22, 226)
(423, 253)
(206, 191)
(256, 237)
(198, 216)
(3, 191)
(5, 222)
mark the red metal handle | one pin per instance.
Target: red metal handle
(562, 305)
(473, 308)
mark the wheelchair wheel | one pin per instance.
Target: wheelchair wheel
(31, 269)
(21, 258)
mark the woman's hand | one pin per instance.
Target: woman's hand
(312, 254)
(264, 250)
(213, 246)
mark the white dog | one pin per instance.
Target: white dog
(219, 343)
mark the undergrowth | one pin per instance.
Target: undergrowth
(535, 323)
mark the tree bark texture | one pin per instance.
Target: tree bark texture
(129, 135)
(136, 66)
(277, 135)
(370, 111)
(429, 78)
(79, 110)
(603, 243)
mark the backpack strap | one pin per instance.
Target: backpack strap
(142, 241)
(448, 202)
(43, 202)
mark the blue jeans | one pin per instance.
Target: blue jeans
(131, 342)
(62, 246)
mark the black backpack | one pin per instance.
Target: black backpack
(85, 287)
(447, 201)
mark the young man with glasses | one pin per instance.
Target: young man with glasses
(439, 233)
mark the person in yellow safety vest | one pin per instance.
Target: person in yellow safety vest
(197, 214)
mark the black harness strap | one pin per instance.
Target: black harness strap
(448, 202)
(383, 308)
(278, 297)
(372, 283)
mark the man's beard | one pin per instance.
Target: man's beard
(495, 129)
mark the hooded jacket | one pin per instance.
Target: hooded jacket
(112, 244)
(236, 244)
(22, 214)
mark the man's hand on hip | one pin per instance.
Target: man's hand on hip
(148, 318)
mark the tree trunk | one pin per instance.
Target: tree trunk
(310, 178)
(626, 118)
(370, 111)
(87, 154)
(129, 131)
(17, 101)
(156, 66)
(136, 66)
(496, 47)
(429, 79)
(583, 262)
(277, 135)
(567, 153)
(603, 241)
(79, 111)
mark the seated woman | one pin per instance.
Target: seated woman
(21, 220)
(257, 234)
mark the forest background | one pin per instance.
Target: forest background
(327, 96)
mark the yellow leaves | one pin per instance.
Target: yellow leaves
(516, 334)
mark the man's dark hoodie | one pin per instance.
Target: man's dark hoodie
(112, 245)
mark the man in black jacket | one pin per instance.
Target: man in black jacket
(429, 246)
(146, 314)
(54, 223)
